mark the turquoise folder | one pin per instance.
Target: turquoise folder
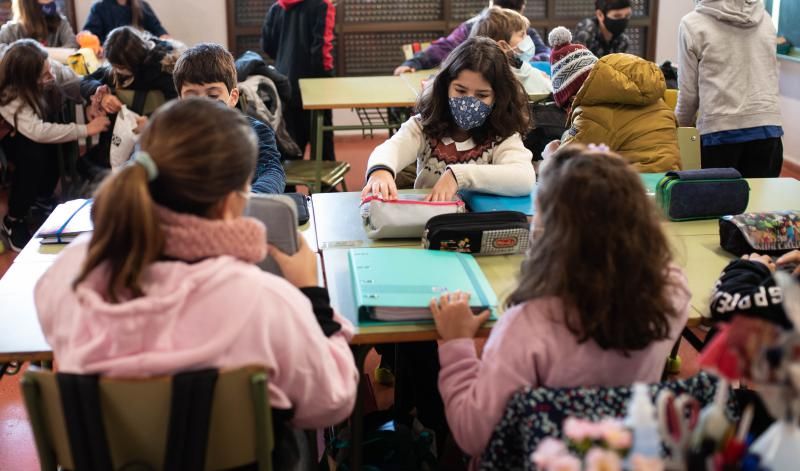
(650, 181)
(396, 285)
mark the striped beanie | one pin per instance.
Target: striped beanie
(570, 63)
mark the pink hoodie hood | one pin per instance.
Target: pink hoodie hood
(219, 312)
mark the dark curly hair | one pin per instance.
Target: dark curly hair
(600, 248)
(510, 112)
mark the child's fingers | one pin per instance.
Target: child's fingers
(276, 253)
(434, 305)
(483, 317)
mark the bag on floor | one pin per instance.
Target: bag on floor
(123, 138)
(404, 217)
(767, 233)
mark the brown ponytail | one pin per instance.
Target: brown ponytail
(199, 163)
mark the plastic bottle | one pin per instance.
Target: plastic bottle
(641, 419)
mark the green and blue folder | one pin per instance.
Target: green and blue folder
(396, 285)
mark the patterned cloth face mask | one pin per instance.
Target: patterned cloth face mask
(469, 112)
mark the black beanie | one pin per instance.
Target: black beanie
(606, 5)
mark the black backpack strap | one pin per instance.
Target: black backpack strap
(189, 419)
(139, 98)
(80, 400)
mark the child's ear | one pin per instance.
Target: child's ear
(505, 46)
(600, 16)
(234, 97)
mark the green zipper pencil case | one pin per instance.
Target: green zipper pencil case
(702, 194)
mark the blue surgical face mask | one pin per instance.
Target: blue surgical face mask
(469, 112)
(50, 9)
(526, 49)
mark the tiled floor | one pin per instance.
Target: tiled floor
(17, 450)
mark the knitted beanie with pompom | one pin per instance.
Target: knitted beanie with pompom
(570, 63)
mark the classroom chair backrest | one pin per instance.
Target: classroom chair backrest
(141, 102)
(689, 148)
(671, 98)
(136, 415)
(534, 414)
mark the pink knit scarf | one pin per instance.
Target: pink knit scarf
(192, 238)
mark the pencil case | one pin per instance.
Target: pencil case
(702, 194)
(766, 233)
(490, 233)
(404, 217)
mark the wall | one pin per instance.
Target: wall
(670, 13)
(191, 21)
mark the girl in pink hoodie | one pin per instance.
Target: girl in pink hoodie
(167, 282)
(599, 302)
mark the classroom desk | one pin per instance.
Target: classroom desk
(23, 339)
(766, 194)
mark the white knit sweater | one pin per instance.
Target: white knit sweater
(500, 167)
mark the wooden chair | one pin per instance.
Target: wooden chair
(304, 173)
(689, 147)
(136, 418)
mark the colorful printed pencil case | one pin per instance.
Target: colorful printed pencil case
(491, 233)
(702, 194)
(769, 233)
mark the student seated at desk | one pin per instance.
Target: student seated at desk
(39, 20)
(467, 132)
(209, 70)
(616, 100)
(107, 15)
(507, 28)
(599, 301)
(151, 292)
(28, 135)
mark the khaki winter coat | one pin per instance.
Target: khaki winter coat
(621, 105)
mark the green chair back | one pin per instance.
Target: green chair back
(136, 418)
(689, 147)
(152, 101)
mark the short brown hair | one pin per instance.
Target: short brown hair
(510, 111)
(499, 24)
(205, 63)
(199, 162)
(601, 250)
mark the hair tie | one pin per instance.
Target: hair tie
(599, 147)
(143, 158)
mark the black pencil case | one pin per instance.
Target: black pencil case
(766, 233)
(490, 233)
(702, 194)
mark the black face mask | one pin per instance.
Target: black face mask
(614, 26)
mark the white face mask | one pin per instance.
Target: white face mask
(526, 49)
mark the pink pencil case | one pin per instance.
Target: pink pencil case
(404, 217)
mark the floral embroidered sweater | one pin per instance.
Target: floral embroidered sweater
(500, 167)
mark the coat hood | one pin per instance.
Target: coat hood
(742, 13)
(622, 79)
(288, 4)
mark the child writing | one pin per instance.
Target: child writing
(209, 70)
(150, 293)
(595, 305)
(24, 76)
(467, 132)
(508, 28)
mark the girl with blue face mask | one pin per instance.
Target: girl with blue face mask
(39, 20)
(466, 134)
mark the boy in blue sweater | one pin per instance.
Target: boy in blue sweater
(208, 70)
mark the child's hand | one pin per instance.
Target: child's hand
(444, 189)
(765, 260)
(299, 269)
(381, 182)
(141, 122)
(404, 69)
(454, 319)
(791, 258)
(97, 125)
(551, 149)
(110, 104)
